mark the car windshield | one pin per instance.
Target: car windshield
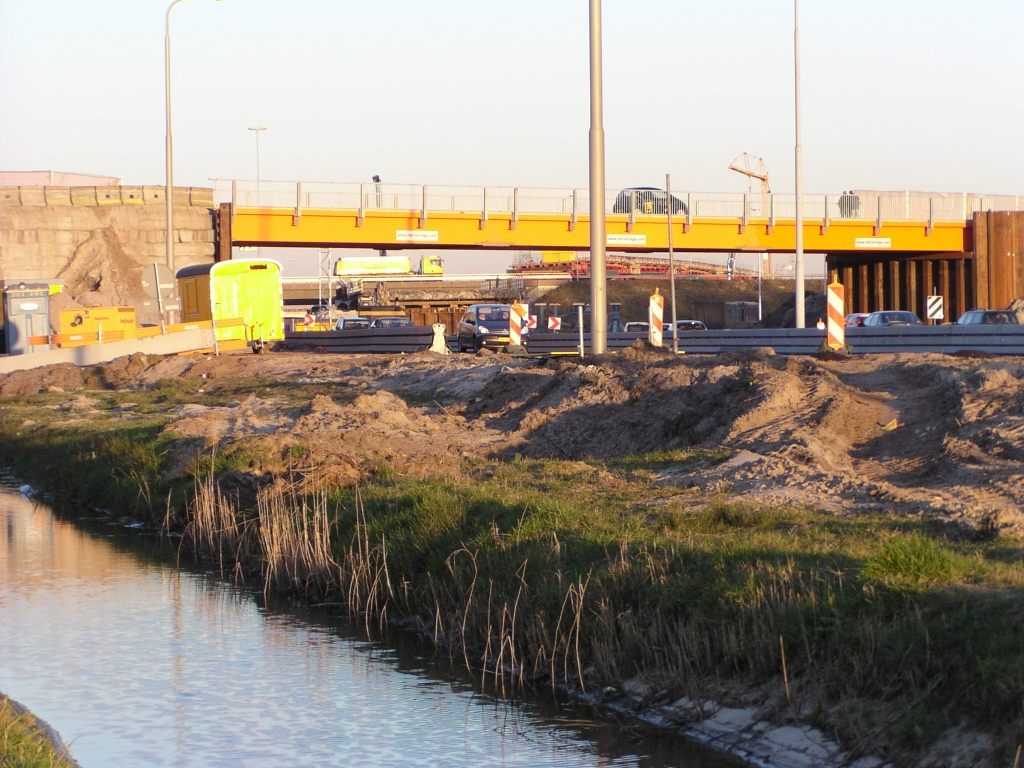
(392, 322)
(353, 323)
(493, 314)
(899, 317)
(998, 318)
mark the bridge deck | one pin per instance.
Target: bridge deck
(391, 229)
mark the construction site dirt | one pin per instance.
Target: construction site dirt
(933, 440)
(930, 435)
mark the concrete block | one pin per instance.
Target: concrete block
(153, 195)
(57, 195)
(82, 195)
(132, 195)
(185, 235)
(181, 197)
(201, 196)
(108, 195)
(9, 196)
(32, 195)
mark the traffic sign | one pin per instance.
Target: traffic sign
(159, 275)
(935, 308)
(554, 323)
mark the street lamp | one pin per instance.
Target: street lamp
(598, 238)
(168, 147)
(798, 267)
(257, 129)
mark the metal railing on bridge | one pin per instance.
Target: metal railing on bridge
(426, 199)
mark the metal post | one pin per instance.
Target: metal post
(579, 315)
(799, 159)
(159, 299)
(598, 238)
(575, 210)
(483, 213)
(168, 146)
(515, 208)
(689, 212)
(423, 212)
(671, 266)
(931, 215)
(760, 265)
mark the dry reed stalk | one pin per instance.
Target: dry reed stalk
(1016, 762)
(785, 674)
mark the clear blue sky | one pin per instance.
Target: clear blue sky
(900, 94)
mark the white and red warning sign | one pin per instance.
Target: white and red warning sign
(836, 321)
(554, 323)
(655, 316)
(531, 322)
(516, 323)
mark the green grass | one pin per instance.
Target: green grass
(894, 628)
(22, 744)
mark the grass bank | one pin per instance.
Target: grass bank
(24, 744)
(883, 631)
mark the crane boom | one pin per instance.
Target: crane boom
(757, 172)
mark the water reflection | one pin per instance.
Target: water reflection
(139, 663)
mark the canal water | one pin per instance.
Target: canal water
(139, 662)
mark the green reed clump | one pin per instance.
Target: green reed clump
(23, 744)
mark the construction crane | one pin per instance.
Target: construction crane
(759, 172)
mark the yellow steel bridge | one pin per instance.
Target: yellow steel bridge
(391, 216)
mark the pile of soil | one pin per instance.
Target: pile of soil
(930, 435)
(102, 273)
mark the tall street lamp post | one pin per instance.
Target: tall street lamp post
(257, 129)
(798, 270)
(168, 146)
(598, 239)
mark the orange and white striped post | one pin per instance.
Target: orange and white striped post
(655, 317)
(515, 324)
(836, 320)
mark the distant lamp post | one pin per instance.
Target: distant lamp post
(257, 129)
(168, 146)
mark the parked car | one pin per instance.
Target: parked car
(890, 317)
(857, 318)
(392, 322)
(636, 327)
(988, 317)
(484, 325)
(352, 323)
(648, 200)
(685, 325)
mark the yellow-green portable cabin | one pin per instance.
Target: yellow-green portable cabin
(243, 298)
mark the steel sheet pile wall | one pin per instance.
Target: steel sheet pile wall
(998, 267)
(890, 281)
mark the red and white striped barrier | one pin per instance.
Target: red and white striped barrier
(554, 323)
(836, 320)
(655, 317)
(515, 324)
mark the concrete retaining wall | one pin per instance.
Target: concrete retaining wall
(40, 227)
(171, 344)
